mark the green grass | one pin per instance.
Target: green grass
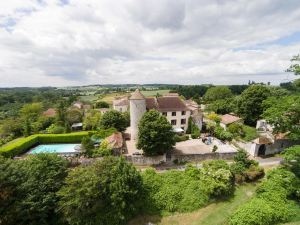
(88, 98)
(154, 92)
(250, 133)
(213, 214)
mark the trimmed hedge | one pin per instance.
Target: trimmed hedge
(20, 146)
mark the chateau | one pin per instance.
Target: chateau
(176, 110)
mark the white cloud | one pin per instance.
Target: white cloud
(130, 41)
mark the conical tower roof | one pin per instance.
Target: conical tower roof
(137, 95)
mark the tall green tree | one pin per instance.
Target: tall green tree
(28, 189)
(107, 192)
(250, 105)
(114, 119)
(295, 67)
(92, 120)
(155, 135)
(217, 93)
(284, 114)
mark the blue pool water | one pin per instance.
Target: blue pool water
(54, 148)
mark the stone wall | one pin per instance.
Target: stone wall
(202, 157)
(144, 160)
(156, 160)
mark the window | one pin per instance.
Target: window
(173, 122)
(164, 113)
(183, 121)
(183, 113)
(182, 128)
(173, 113)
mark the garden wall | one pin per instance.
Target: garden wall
(144, 160)
(202, 157)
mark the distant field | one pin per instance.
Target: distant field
(154, 92)
(213, 214)
(110, 97)
(90, 98)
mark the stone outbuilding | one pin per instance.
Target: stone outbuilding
(228, 119)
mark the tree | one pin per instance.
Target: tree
(33, 199)
(250, 102)
(155, 135)
(107, 192)
(223, 106)
(91, 120)
(73, 116)
(114, 119)
(295, 67)
(214, 117)
(284, 114)
(217, 93)
(102, 104)
(292, 159)
(31, 111)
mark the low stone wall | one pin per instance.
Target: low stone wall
(144, 160)
(202, 157)
(156, 160)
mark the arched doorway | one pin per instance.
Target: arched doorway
(261, 150)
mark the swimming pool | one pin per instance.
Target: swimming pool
(56, 148)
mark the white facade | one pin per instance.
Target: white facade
(137, 110)
(121, 108)
(179, 120)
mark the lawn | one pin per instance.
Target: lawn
(250, 133)
(213, 214)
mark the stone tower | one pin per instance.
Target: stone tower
(137, 110)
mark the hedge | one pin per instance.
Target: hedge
(22, 145)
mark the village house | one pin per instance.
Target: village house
(121, 104)
(229, 119)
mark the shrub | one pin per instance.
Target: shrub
(223, 135)
(103, 150)
(179, 138)
(187, 190)
(271, 204)
(254, 172)
(55, 129)
(215, 148)
(19, 146)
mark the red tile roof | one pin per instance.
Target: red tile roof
(51, 112)
(115, 140)
(228, 119)
(166, 104)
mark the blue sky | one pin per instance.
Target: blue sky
(75, 42)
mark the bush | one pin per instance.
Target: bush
(179, 138)
(19, 146)
(187, 190)
(253, 173)
(55, 129)
(103, 150)
(271, 204)
(223, 135)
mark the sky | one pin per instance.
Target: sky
(81, 42)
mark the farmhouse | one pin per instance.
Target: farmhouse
(175, 110)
